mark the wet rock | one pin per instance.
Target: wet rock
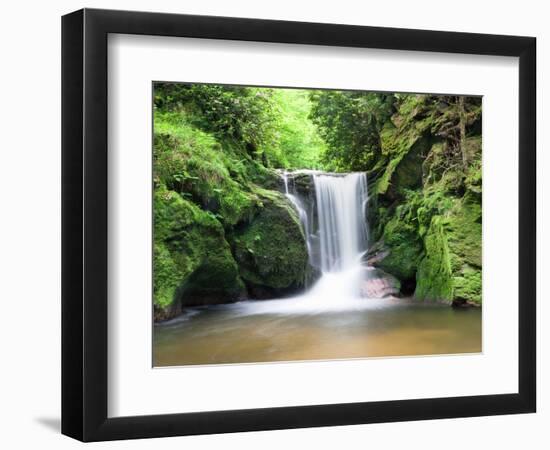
(377, 252)
(379, 284)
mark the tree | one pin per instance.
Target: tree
(350, 123)
(244, 115)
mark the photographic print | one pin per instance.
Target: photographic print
(311, 224)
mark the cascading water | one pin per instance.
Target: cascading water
(341, 204)
(302, 214)
(342, 234)
(335, 228)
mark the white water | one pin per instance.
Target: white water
(342, 229)
(336, 235)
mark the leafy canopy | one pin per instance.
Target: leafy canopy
(350, 123)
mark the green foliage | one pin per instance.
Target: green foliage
(269, 125)
(210, 157)
(350, 123)
(298, 144)
(221, 225)
(474, 171)
(241, 114)
(192, 163)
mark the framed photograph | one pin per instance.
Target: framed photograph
(273, 224)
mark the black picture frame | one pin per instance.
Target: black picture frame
(84, 224)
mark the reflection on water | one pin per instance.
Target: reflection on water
(279, 331)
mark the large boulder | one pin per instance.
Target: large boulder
(271, 251)
(193, 264)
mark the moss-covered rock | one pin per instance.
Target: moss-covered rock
(428, 199)
(404, 249)
(405, 143)
(434, 279)
(464, 239)
(451, 269)
(271, 251)
(193, 264)
(206, 189)
(408, 173)
(467, 286)
(464, 228)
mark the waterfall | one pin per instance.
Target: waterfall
(336, 233)
(340, 202)
(302, 214)
(332, 212)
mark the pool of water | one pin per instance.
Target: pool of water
(287, 330)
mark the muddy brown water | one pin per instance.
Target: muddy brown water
(250, 332)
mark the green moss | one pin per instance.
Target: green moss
(405, 142)
(394, 148)
(408, 173)
(405, 249)
(464, 231)
(167, 276)
(437, 237)
(206, 188)
(473, 178)
(194, 164)
(271, 251)
(465, 246)
(193, 261)
(434, 278)
(467, 284)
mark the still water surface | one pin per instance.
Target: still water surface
(277, 330)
